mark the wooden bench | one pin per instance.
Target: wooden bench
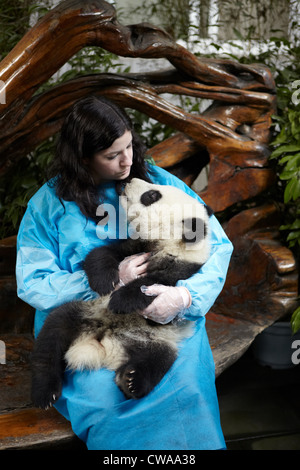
(21, 425)
(232, 135)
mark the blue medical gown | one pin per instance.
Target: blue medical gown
(182, 412)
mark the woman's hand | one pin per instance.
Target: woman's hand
(133, 267)
(170, 301)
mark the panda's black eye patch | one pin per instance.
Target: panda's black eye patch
(149, 197)
(194, 230)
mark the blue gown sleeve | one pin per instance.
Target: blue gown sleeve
(206, 285)
(42, 281)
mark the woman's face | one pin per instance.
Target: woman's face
(113, 163)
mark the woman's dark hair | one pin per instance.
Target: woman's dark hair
(92, 125)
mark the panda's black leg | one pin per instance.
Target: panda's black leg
(47, 359)
(145, 369)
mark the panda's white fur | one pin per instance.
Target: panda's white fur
(109, 332)
(86, 352)
(164, 220)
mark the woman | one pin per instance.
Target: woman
(97, 153)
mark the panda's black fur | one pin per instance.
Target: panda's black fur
(107, 332)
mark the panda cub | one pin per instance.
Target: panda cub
(108, 332)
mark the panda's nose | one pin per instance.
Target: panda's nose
(149, 197)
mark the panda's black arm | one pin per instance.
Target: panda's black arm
(101, 264)
(165, 271)
(60, 329)
(101, 267)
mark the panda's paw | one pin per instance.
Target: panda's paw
(132, 383)
(118, 302)
(45, 394)
(128, 299)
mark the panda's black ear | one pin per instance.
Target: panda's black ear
(208, 210)
(149, 197)
(194, 230)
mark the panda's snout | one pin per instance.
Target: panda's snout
(149, 197)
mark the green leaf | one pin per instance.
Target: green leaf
(285, 148)
(294, 226)
(291, 190)
(287, 175)
(294, 235)
(295, 320)
(292, 161)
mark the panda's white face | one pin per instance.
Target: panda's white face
(159, 212)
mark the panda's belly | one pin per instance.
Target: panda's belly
(106, 337)
(89, 353)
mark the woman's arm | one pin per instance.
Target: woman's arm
(208, 282)
(41, 280)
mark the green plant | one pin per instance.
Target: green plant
(295, 320)
(287, 154)
(20, 183)
(286, 148)
(15, 20)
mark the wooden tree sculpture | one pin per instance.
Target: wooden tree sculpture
(233, 134)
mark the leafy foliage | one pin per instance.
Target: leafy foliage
(286, 142)
(295, 320)
(14, 22)
(287, 155)
(20, 183)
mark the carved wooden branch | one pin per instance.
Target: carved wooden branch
(262, 282)
(261, 286)
(74, 24)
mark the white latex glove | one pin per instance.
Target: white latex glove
(170, 301)
(132, 267)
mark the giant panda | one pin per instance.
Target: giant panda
(108, 331)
